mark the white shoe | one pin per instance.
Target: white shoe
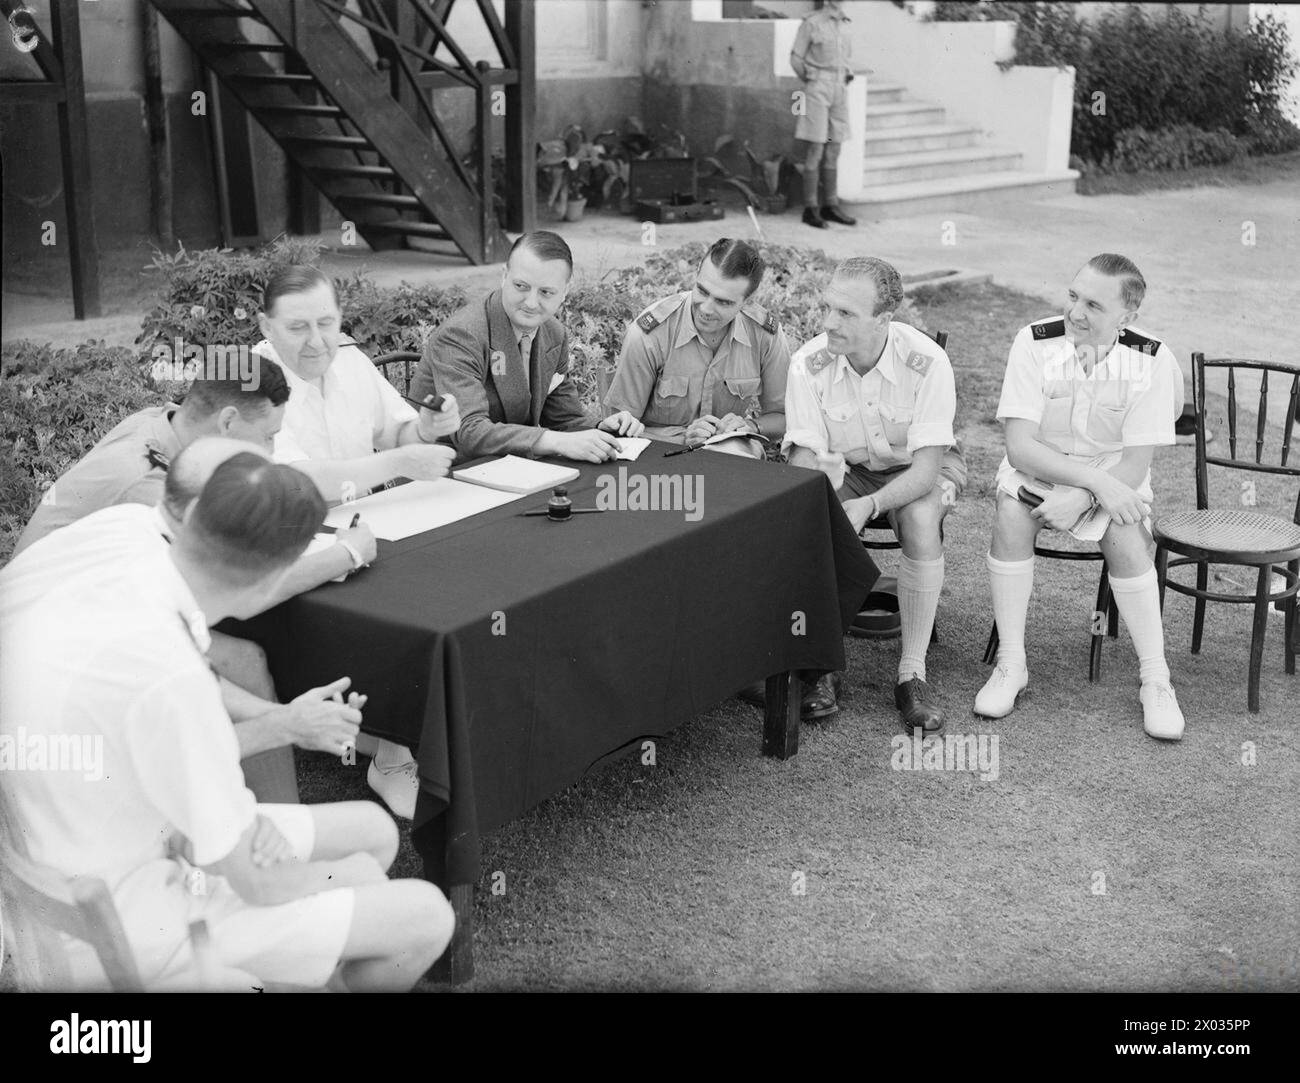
(1161, 716)
(997, 698)
(397, 785)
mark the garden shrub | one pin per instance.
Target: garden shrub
(55, 404)
(1157, 72)
(1178, 147)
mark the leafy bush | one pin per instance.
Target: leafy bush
(1178, 147)
(54, 406)
(1156, 72)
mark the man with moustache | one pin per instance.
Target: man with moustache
(704, 363)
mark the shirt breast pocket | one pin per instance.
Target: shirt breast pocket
(744, 388)
(1057, 408)
(895, 420)
(844, 427)
(672, 399)
(1106, 424)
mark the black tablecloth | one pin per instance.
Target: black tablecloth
(513, 652)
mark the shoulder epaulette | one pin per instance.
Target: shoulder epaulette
(347, 340)
(1052, 328)
(653, 316)
(818, 361)
(762, 317)
(1130, 338)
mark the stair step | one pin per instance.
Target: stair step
(277, 77)
(348, 142)
(417, 229)
(879, 93)
(247, 47)
(215, 13)
(302, 110)
(370, 172)
(934, 164)
(919, 138)
(957, 194)
(382, 199)
(901, 114)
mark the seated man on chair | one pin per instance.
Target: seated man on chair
(703, 363)
(506, 359)
(112, 659)
(871, 402)
(350, 431)
(1085, 402)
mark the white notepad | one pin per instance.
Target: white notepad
(417, 506)
(629, 447)
(513, 474)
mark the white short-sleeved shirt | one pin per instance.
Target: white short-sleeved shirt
(357, 413)
(1130, 398)
(102, 670)
(907, 401)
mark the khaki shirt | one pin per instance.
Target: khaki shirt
(822, 47)
(667, 377)
(907, 401)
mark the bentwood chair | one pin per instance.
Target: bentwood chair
(39, 905)
(1242, 535)
(388, 363)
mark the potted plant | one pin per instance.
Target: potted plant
(764, 189)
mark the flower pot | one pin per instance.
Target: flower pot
(573, 212)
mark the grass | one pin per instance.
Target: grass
(681, 875)
(1257, 170)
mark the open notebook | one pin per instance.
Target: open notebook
(513, 474)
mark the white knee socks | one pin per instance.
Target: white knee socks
(1138, 601)
(919, 585)
(1011, 583)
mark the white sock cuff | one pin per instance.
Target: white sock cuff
(1135, 583)
(919, 574)
(1010, 567)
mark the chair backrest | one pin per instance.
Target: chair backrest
(44, 902)
(941, 338)
(1257, 462)
(387, 363)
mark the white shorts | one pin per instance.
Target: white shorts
(1009, 480)
(294, 943)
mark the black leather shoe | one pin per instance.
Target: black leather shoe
(822, 699)
(812, 218)
(916, 708)
(834, 214)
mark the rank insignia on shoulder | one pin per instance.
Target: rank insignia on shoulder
(653, 316)
(1048, 328)
(1134, 341)
(647, 322)
(818, 361)
(919, 362)
(762, 317)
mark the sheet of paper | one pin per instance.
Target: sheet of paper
(418, 506)
(515, 474)
(629, 447)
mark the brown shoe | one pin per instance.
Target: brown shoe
(916, 708)
(821, 700)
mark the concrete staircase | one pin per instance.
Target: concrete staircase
(917, 161)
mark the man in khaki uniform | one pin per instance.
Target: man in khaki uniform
(820, 58)
(703, 363)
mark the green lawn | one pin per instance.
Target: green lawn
(682, 875)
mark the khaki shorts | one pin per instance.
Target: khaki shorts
(825, 118)
(294, 943)
(861, 480)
